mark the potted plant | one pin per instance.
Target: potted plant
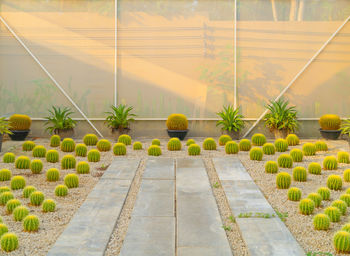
(177, 126)
(330, 126)
(345, 129)
(4, 129)
(20, 127)
(60, 122)
(281, 119)
(119, 119)
(231, 121)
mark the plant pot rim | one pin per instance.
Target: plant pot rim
(178, 130)
(18, 131)
(330, 130)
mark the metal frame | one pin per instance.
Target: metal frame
(235, 58)
(115, 52)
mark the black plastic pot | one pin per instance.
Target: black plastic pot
(1, 136)
(19, 135)
(181, 134)
(330, 134)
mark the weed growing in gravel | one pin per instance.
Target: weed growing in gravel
(226, 228)
(282, 215)
(319, 254)
(256, 215)
(232, 219)
(216, 185)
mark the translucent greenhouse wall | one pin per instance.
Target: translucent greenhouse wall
(174, 56)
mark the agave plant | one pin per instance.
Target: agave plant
(120, 117)
(231, 119)
(345, 127)
(4, 126)
(59, 119)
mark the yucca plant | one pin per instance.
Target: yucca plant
(4, 129)
(231, 120)
(59, 119)
(120, 117)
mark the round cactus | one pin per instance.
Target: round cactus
(271, 167)
(68, 145)
(124, 138)
(316, 198)
(321, 221)
(190, 141)
(224, 139)
(256, 154)
(343, 157)
(294, 194)
(281, 145)
(28, 190)
(334, 182)
(5, 174)
(39, 151)
(194, 150)
(269, 149)
(104, 145)
(306, 206)
(81, 150)
(292, 140)
(285, 161)
(9, 158)
(154, 150)
(12, 204)
(309, 149)
(90, 139)
(346, 175)
(94, 156)
(36, 198)
(61, 190)
(31, 223)
(258, 139)
(325, 193)
(341, 241)
(314, 168)
(28, 145)
(83, 168)
(5, 197)
(330, 163)
(177, 122)
(297, 155)
(3, 229)
(55, 141)
(20, 212)
(4, 189)
(22, 162)
(341, 205)
(299, 174)
(156, 142)
(71, 180)
(174, 144)
(209, 144)
(333, 213)
(119, 149)
(36, 166)
(68, 162)
(17, 182)
(244, 145)
(231, 147)
(53, 174)
(346, 227)
(283, 180)
(20, 122)
(9, 242)
(137, 145)
(330, 122)
(321, 146)
(345, 198)
(49, 205)
(52, 156)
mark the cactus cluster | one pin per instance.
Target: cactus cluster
(256, 154)
(71, 180)
(36, 198)
(104, 145)
(28, 145)
(94, 155)
(5, 174)
(341, 205)
(22, 162)
(224, 139)
(55, 141)
(321, 146)
(231, 147)
(20, 122)
(325, 193)
(154, 150)
(119, 149)
(294, 194)
(137, 145)
(190, 141)
(334, 182)
(306, 206)
(12, 204)
(297, 155)
(9, 242)
(61, 190)
(309, 149)
(174, 144)
(31, 223)
(292, 140)
(281, 145)
(269, 149)
(49, 205)
(194, 150)
(36, 166)
(345, 198)
(5, 197)
(330, 163)
(156, 142)
(285, 161)
(321, 221)
(330, 122)
(209, 144)
(283, 180)
(343, 157)
(68, 145)
(299, 174)
(271, 167)
(258, 139)
(177, 122)
(316, 198)
(314, 168)
(346, 175)
(124, 138)
(244, 145)
(52, 174)
(81, 150)
(9, 158)
(27, 191)
(39, 151)
(341, 241)
(90, 139)
(52, 156)
(17, 182)
(83, 167)
(333, 213)
(68, 162)
(20, 212)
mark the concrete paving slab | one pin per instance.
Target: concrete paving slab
(160, 168)
(230, 170)
(122, 169)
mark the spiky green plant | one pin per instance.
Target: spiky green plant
(256, 154)
(190, 141)
(156, 142)
(174, 144)
(321, 221)
(90, 139)
(124, 138)
(231, 147)
(28, 190)
(244, 145)
(36, 166)
(325, 193)
(224, 139)
(341, 241)
(31, 223)
(22, 162)
(314, 168)
(299, 174)
(346, 175)
(55, 141)
(177, 122)
(59, 119)
(316, 198)
(194, 150)
(20, 122)
(283, 180)
(39, 151)
(94, 156)
(341, 205)
(104, 145)
(333, 213)
(61, 190)
(68, 145)
(309, 149)
(52, 174)
(4, 189)
(71, 180)
(281, 145)
(81, 150)
(334, 182)
(330, 122)
(292, 139)
(28, 145)
(294, 194)
(119, 149)
(12, 204)
(297, 155)
(68, 162)
(306, 206)
(5, 197)
(9, 242)
(3, 229)
(83, 167)
(269, 149)
(137, 145)
(154, 150)
(271, 167)
(9, 158)
(231, 119)
(52, 156)
(17, 182)
(49, 205)
(258, 139)
(120, 117)
(209, 144)
(343, 157)
(321, 146)
(330, 163)
(345, 198)
(5, 174)
(36, 198)
(20, 212)
(285, 161)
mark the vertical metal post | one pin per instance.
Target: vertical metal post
(235, 58)
(115, 52)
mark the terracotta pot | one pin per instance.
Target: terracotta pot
(66, 133)
(280, 134)
(117, 132)
(234, 135)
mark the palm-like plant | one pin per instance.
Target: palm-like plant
(4, 126)
(345, 127)
(120, 117)
(59, 119)
(231, 119)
